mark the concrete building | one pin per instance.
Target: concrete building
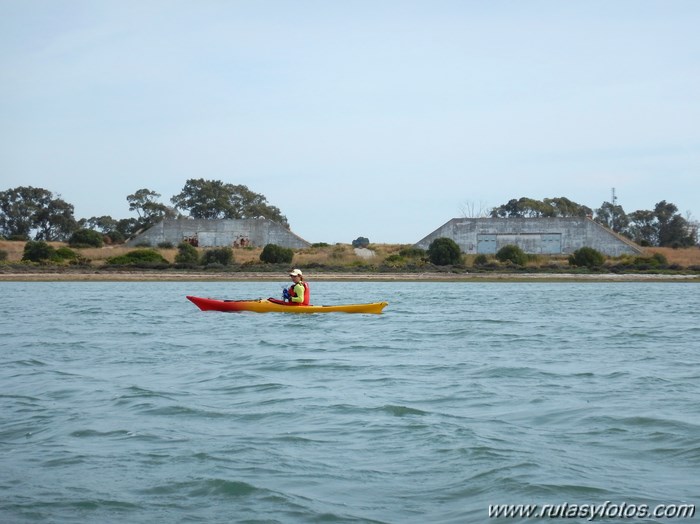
(551, 236)
(256, 232)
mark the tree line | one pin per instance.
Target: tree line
(662, 226)
(28, 212)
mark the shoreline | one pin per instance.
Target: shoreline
(146, 276)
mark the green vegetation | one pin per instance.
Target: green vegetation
(219, 256)
(67, 254)
(25, 210)
(512, 254)
(586, 257)
(38, 251)
(213, 199)
(187, 254)
(663, 226)
(143, 258)
(481, 260)
(274, 254)
(444, 251)
(362, 242)
(33, 213)
(86, 238)
(3, 255)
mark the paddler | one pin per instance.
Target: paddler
(298, 293)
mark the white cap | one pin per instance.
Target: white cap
(295, 273)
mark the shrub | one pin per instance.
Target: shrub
(660, 259)
(360, 242)
(219, 255)
(65, 253)
(274, 254)
(512, 253)
(481, 260)
(586, 257)
(395, 261)
(444, 251)
(412, 252)
(117, 237)
(165, 245)
(86, 238)
(3, 255)
(319, 244)
(38, 251)
(139, 258)
(187, 254)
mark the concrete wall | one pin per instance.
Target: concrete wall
(217, 233)
(532, 235)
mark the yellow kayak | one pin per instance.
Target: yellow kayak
(264, 305)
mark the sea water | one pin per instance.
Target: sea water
(122, 402)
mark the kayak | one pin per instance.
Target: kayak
(271, 305)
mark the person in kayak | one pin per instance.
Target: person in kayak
(298, 293)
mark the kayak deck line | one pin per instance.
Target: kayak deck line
(271, 305)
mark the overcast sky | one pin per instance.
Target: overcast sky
(377, 118)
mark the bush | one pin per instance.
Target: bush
(38, 251)
(117, 237)
(412, 252)
(444, 252)
(187, 254)
(394, 261)
(65, 253)
(165, 245)
(139, 258)
(219, 255)
(3, 255)
(360, 242)
(86, 238)
(481, 260)
(586, 257)
(274, 254)
(512, 253)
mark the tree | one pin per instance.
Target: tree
(55, 221)
(25, 210)
(663, 226)
(643, 228)
(212, 199)
(563, 207)
(444, 251)
(362, 242)
(149, 210)
(108, 226)
(104, 224)
(612, 217)
(526, 207)
(676, 233)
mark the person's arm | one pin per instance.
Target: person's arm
(299, 291)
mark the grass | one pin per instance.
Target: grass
(343, 256)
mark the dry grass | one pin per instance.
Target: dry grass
(689, 256)
(338, 255)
